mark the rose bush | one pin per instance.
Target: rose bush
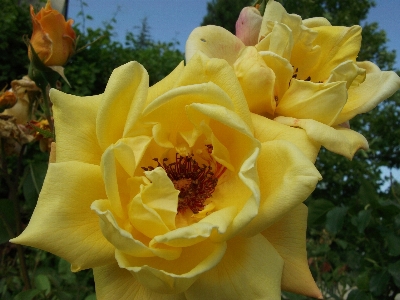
(53, 38)
(176, 191)
(302, 73)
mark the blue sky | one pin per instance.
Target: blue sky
(175, 19)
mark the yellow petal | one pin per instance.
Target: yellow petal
(281, 165)
(109, 167)
(63, 223)
(125, 96)
(75, 124)
(201, 69)
(231, 130)
(347, 71)
(340, 140)
(305, 54)
(316, 22)
(288, 236)
(274, 12)
(166, 84)
(213, 41)
(130, 242)
(283, 71)
(173, 276)
(279, 40)
(317, 101)
(174, 102)
(113, 282)
(378, 86)
(153, 210)
(285, 35)
(338, 44)
(269, 130)
(250, 269)
(257, 81)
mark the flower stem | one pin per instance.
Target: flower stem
(47, 108)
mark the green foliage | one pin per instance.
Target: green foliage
(14, 23)
(51, 277)
(89, 70)
(356, 246)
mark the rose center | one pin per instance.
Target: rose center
(196, 183)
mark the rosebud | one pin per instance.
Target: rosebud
(248, 25)
(53, 38)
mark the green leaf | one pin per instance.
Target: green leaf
(367, 194)
(62, 295)
(91, 297)
(317, 210)
(42, 283)
(357, 295)
(46, 133)
(378, 282)
(64, 269)
(362, 281)
(362, 220)
(385, 203)
(335, 219)
(32, 184)
(7, 220)
(397, 221)
(343, 244)
(64, 266)
(393, 242)
(27, 295)
(394, 270)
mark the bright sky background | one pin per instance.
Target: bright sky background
(175, 19)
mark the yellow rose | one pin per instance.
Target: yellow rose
(53, 38)
(172, 190)
(302, 73)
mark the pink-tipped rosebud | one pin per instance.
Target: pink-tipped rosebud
(248, 25)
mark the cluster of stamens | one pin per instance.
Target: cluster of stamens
(196, 183)
(294, 76)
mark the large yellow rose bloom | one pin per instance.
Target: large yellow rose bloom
(302, 73)
(175, 191)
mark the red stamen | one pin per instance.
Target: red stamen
(196, 184)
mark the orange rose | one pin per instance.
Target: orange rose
(53, 38)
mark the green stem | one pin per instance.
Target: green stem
(47, 108)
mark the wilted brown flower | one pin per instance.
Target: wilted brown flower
(24, 89)
(12, 135)
(7, 99)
